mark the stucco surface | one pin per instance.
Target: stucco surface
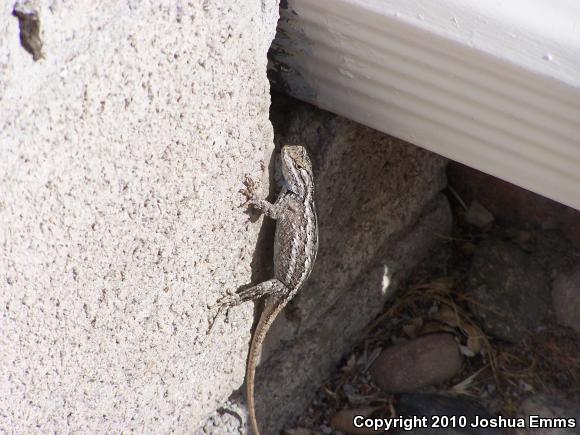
(121, 155)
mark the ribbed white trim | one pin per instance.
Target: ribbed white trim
(488, 85)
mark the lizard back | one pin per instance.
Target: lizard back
(296, 241)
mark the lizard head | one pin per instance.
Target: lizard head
(297, 169)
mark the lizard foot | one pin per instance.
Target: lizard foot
(249, 191)
(230, 299)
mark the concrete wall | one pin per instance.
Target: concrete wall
(122, 151)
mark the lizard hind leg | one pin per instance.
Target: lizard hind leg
(271, 287)
(232, 299)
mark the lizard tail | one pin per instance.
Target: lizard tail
(271, 309)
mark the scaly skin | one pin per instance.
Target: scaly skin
(295, 248)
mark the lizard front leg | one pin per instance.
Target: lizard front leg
(273, 211)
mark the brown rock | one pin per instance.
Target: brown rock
(566, 299)
(424, 361)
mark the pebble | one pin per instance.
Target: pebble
(427, 360)
(478, 216)
(566, 299)
(467, 249)
(523, 238)
(509, 288)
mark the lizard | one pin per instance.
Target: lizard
(295, 249)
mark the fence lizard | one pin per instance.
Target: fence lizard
(295, 248)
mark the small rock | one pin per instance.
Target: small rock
(466, 351)
(434, 406)
(344, 420)
(427, 360)
(467, 249)
(549, 408)
(510, 290)
(566, 299)
(478, 216)
(523, 238)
